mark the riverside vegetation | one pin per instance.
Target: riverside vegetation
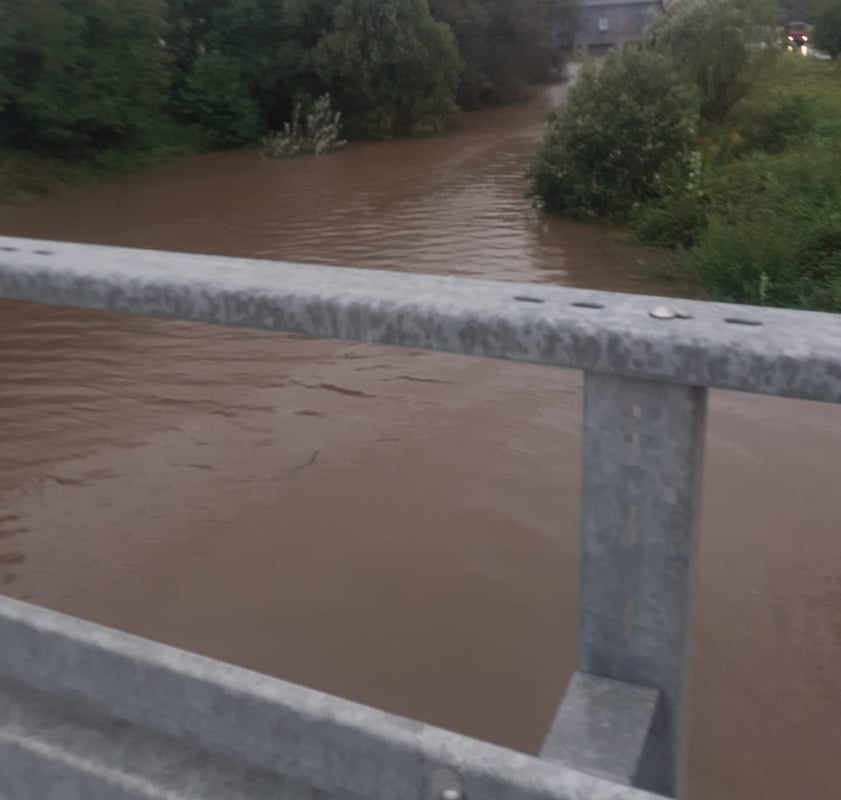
(725, 149)
(90, 87)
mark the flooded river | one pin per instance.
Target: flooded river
(396, 527)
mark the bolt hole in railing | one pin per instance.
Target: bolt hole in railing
(9, 249)
(755, 323)
(529, 299)
(43, 252)
(594, 306)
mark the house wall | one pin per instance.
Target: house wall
(607, 25)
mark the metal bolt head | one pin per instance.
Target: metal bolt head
(663, 312)
(451, 794)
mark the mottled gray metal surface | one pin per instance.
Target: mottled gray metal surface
(770, 351)
(641, 491)
(602, 727)
(55, 747)
(107, 689)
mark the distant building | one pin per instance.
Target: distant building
(607, 23)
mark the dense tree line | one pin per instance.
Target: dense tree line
(82, 75)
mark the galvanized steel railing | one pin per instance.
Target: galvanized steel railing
(87, 712)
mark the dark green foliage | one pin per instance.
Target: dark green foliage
(505, 44)
(80, 75)
(750, 198)
(392, 69)
(709, 42)
(217, 99)
(827, 33)
(769, 230)
(389, 66)
(188, 24)
(774, 123)
(623, 129)
(255, 37)
(774, 235)
(674, 220)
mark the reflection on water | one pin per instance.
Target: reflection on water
(453, 204)
(394, 526)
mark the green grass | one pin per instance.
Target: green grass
(807, 85)
(26, 176)
(766, 226)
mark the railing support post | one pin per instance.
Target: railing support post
(642, 464)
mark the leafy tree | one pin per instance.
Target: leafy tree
(257, 35)
(827, 34)
(623, 129)
(188, 24)
(267, 45)
(504, 43)
(80, 75)
(216, 97)
(709, 41)
(470, 21)
(391, 67)
(234, 66)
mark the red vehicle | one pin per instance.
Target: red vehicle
(797, 34)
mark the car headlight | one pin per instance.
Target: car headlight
(805, 38)
(791, 38)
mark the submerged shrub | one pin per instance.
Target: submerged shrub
(317, 132)
(622, 130)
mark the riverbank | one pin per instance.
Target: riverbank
(87, 93)
(27, 177)
(736, 178)
(453, 203)
(762, 223)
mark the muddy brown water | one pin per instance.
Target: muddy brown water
(396, 527)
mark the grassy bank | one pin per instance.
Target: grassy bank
(763, 224)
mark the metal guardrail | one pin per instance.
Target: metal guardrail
(102, 714)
